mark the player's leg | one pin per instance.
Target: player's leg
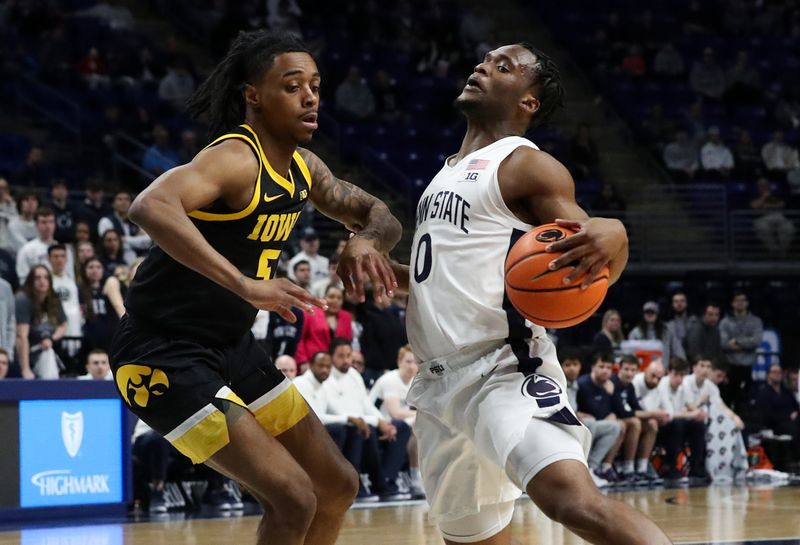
(548, 464)
(257, 460)
(633, 430)
(333, 479)
(491, 526)
(564, 491)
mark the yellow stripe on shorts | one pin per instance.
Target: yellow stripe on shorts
(201, 435)
(279, 409)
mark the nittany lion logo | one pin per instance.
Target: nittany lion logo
(544, 390)
(137, 383)
(551, 235)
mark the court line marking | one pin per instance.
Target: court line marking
(740, 540)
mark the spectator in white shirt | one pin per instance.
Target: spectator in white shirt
(134, 240)
(347, 395)
(22, 228)
(67, 291)
(700, 393)
(319, 287)
(778, 156)
(389, 395)
(715, 157)
(309, 251)
(97, 366)
(34, 252)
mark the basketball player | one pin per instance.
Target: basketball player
(184, 358)
(492, 410)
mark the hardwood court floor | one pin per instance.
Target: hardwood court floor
(700, 515)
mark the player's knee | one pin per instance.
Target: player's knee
(489, 521)
(339, 490)
(294, 500)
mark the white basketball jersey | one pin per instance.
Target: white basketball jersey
(464, 231)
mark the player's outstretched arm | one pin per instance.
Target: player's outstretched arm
(227, 172)
(377, 230)
(538, 189)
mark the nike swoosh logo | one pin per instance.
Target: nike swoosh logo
(267, 198)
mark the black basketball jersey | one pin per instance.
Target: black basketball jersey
(180, 303)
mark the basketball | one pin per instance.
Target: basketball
(540, 294)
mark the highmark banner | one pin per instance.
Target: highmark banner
(70, 452)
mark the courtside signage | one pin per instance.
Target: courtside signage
(70, 452)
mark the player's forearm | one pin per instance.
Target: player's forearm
(165, 220)
(381, 227)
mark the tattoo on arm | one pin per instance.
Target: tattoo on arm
(351, 205)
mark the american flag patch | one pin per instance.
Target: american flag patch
(477, 164)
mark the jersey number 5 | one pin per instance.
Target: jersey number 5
(427, 258)
(265, 263)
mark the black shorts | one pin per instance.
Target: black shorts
(180, 388)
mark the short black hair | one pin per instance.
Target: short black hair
(301, 262)
(570, 353)
(679, 365)
(313, 359)
(548, 81)
(54, 247)
(629, 358)
(337, 342)
(43, 212)
(602, 355)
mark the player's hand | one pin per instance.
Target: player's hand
(28, 374)
(360, 260)
(597, 241)
(363, 427)
(280, 295)
(388, 431)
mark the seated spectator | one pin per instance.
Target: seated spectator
(67, 291)
(66, 215)
(746, 156)
(8, 211)
(726, 454)
(633, 63)
(772, 227)
(707, 78)
(103, 306)
(389, 395)
(385, 441)
(651, 328)
(97, 366)
(320, 328)
(605, 433)
(83, 251)
(382, 335)
(160, 157)
(309, 251)
(583, 157)
(34, 252)
(110, 250)
(318, 287)
(354, 100)
(778, 156)
(283, 335)
(287, 366)
(703, 336)
(680, 156)
(676, 428)
(177, 86)
(610, 335)
(8, 318)
(668, 62)
(681, 320)
(22, 227)
(716, 158)
(135, 241)
(596, 402)
(93, 207)
(40, 323)
(777, 408)
(94, 70)
(4, 363)
(302, 274)
(36, 171)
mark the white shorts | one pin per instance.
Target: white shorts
(473, 408)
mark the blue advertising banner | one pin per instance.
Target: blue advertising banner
(70, 452)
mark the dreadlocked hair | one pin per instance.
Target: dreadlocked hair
(548, 80)
(250, 55)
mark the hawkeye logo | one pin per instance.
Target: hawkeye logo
(137, 383)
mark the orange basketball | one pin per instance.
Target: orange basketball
(540, 294)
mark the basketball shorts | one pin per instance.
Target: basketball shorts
(181, 388)
(473, 408)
